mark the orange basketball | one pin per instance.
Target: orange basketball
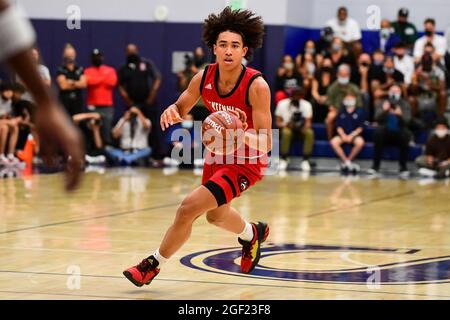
(222, 132)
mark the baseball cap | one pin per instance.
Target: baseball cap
(403, 12)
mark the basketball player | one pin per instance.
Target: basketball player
(224, 85)
(52, 124)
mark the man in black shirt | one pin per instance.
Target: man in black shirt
(71, 81)
(139, 81)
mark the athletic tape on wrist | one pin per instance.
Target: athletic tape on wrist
(16, 32)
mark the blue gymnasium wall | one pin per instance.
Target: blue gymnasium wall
(156, 41)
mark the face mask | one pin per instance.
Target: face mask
(310, 50)
(133, 58)
(336, 47)
(68, 60)
(349, 103)
(378, 62)
(97, 61)
(187, 124)
(288, 65)
(343, 81)
(394, 96)
(388, 70)
(428, 33)
(440, 133)
(385, 33)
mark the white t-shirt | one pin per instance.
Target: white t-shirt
(140, 138)
(439, 44)
(285, 110)
(349, 31)
(5, 107)
(405, 66)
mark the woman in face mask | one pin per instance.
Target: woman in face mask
(319, 86)
(436, 160)
(287, 79)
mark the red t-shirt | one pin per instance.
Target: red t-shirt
(100, 84)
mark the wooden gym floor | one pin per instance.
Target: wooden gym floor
(331, 238)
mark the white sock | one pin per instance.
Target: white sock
(247, 233)
(159, 257)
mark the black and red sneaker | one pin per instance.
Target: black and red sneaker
(251, 250)
(143, 273)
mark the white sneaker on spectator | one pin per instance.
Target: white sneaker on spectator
(282, 166)
(427, 172)
(199, 162)
(169, 162)
(355, 168)
(95, 159)
(404, 174)
(373, 174)
(305, 166)
(12, 159)
(3, 160)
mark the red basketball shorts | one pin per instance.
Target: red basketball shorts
(228, 181)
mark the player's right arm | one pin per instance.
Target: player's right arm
(187, 100)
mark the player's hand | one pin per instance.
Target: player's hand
(170, 116)
(241, 116)
(57, 133)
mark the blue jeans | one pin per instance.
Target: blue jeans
(122, 157)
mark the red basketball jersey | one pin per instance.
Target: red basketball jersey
(237, 98)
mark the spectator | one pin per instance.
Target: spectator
(387, 37)
(293, 118)
(324, 43)
(199, 58)
(90, 124)
(403, 62)
(287, 79)
(320, 83)
(406, 30)
(428, 87)
(344, 27)
(132, 130)
(436, 160)
(439, 42)
(139, 82)
(9, 126)
(339, 54)
(391, 131)
(349, 124)
(71, 81)
(335, 96)
(199, 111)
(101, 80)
(389, 76)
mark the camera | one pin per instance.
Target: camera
(297, 119)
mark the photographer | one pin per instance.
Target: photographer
(133, 130)
(429, 97)
(392, 116)
(293, 118)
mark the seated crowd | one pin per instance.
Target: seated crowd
(397, 87)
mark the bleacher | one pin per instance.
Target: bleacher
(323, 149)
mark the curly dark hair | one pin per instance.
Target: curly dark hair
(243, 22)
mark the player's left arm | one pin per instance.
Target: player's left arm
(259, 98)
